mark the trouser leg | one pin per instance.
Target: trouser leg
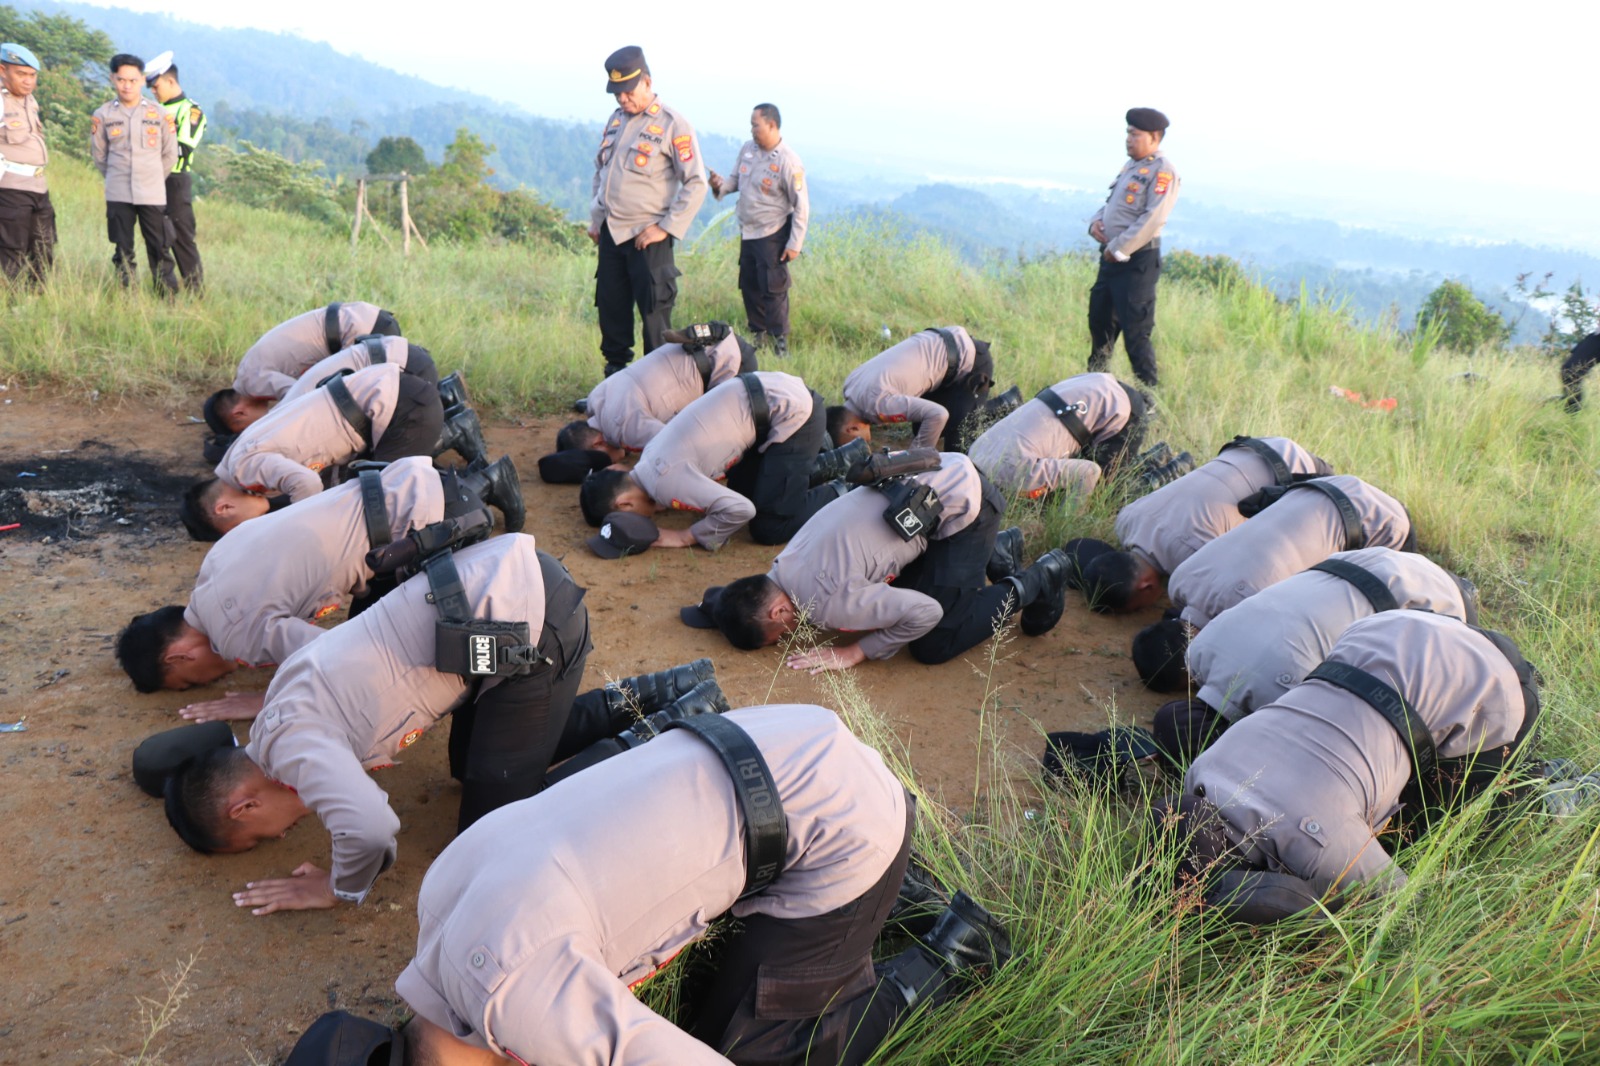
(961, 401)
(797, 990)
(1136, 310)
(27, 235)
(952, 571)
(378, 587)
(778, 481)
(1111, 452)
(755, 307)
(613, 300)
(1579, 363)
(419, 364)
(655, 278)
(417, 421)
(42, 248)
(1184, 728)
(120, 219)
(153, 225)
(180, 212)
(1103, 325)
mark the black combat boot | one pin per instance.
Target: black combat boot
(921, 900)
(880, 466)
(780, 346)
(1006, 557)
(463, 434)
(968, 939)
(1155, 455)
(1042, 591)
(496, 483)
(758, 339)
(453, 390)
(837, 462)
(631, 697)
(1168, 472)
(704, 698)
(997, 407)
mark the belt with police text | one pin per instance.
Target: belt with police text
(766, 830)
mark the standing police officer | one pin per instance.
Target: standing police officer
(135, 145)
(161, 74)
(27, 221)
(1128, 227)
(773, 209)
(648, 183)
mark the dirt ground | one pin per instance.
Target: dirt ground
(99, 902)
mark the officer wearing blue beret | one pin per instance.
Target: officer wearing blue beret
(27, 221)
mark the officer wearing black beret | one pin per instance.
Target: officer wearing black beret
(1128, 228)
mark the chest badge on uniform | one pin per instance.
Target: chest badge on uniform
(743, 169)
(774, 167)
(1144, 170)
(1129, 198)
(685, 146)
(113, 131)
(410, 738)
(653, 128)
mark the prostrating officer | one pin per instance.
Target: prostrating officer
(27, 221)
(933, 379)
(535, 925)
(773, 209)
(649, 181)
(189, 122)
(286, 351)
(1063, 438)
(1128, 227)
(1282, 812)
(135, 146)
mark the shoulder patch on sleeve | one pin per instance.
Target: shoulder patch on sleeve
(1163, 182)
(685, 146)
(799, 178)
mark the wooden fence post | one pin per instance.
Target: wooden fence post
(361, 207)
(405, 214)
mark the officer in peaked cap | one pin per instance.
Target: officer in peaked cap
(27, 220)
(1128, 227)
(649, 181)
(189, 122)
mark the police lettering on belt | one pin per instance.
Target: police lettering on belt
(27, 219)
(649, 181)
(1128, 229)
(774, 208)
(134, 144)
(189, 123)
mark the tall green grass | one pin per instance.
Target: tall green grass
(1486, 956)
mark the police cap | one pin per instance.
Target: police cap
(1148, 119)
(157, 67)
(624, 68)
(703, 614)
(164, 754)
(571, 466)
(14, 55)
(623, 533)
(341, 1039)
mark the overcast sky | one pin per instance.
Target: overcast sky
(1361, 111)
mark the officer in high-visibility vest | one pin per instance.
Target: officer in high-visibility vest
(161, 74)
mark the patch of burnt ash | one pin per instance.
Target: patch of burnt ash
(88, 491)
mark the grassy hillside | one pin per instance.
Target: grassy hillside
(1486, 956)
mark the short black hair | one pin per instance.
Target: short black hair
(195, 510)
(123, 59)
(173, 70)
(1158, 655)
(197, 795)
(770, 113)
(216, 408)
(838, 414)
(1108, 581)
(598, 494)
(577, 437)
(386, 324)
(739, 611)
(142, 644)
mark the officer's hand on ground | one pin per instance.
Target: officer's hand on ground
(308, 888)
(232, 707)
(819, 659)
(675, 538)
(594, 235)
(652, 234)
(789, 255)
(1097, 230)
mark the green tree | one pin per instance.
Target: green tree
(260, 178)
(1461, 320)
(74, 79)
(395, 155)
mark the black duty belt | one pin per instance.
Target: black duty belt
(1068, 415)
(348, 407)
(1366, 582)
(1355, 537)
(1280, 469)
(766, 830)
(760, 410)
(474, 647)
(377, 351)
(702, 363)
(952, 352)
(373, 509)
(1413, 731)
(332, 334)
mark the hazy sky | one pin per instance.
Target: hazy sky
(1392, 112)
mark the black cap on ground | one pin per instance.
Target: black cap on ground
(162, 755)
(623, 533)
(571, 466)
(339, 1038)
(702, 615)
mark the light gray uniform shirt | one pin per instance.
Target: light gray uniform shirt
(1255, 651)
(1296, 532)
(22, 143)
(275, 362)
(134, 148)
(772, 188)
(264, 585)
(1306, 781)
(648, 171)
(535, 923)
(354, 698)
(840, 568)
(1141, 199)
(631, 406)
(889, 387)
(285, 449)
(396, 350)
(1030, 452)
(685, 466)
(1175, 521)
